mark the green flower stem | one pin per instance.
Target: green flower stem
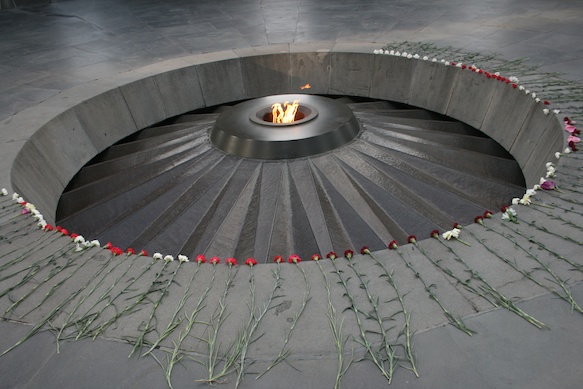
(33, 269)
(174, 321)
(465, 283)
(140, 340)
(88, 319)
(407, 316)
(176, 355)
(38, 245)
(254, 320)
(456, 322)
(543, 247)
(559, 218)
(488, 288)
(284, 352)
(45, 320)
(547, 231)
(20, 231)
(557, 280)
(214, 325)
(376, 357)
(515, 267)
(336, 328)
(52, 273)
(94, 333)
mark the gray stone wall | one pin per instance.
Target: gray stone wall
(94, 116)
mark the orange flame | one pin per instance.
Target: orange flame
(307, 86)
(287, 116)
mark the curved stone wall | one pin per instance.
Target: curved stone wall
(90, 118)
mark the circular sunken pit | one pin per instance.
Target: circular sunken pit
(321, 124)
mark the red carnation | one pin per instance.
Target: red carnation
(434, 234)
(504, 208)
(74, 236)
(348, 254)
(546, 102)
(215, 260)
(412, 239)
(48, 227)
(453, 63)
(116, 251)
(278, 259)
(130, 251)
(143, 253)
(316, 257)
(231, 262)
(364, 250)
(250, 262)
(64, 231)
(393, 245)
(479, 220)
(294, 258)
(488, 214)
(456, 225)
(200, 259)
(331, 255)
(464, 66)
(58, 228)
(514, 86)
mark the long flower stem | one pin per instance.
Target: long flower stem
(456, 322)
(388, 347)
(255, 319)
(284, 352)
(336, 328)
(140, 340)
(375, 355)
(498, 296)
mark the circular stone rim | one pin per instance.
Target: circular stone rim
(258, 116)
(237, 134)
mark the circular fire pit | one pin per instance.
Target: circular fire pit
(321, 124)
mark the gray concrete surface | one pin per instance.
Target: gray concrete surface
(75, 44)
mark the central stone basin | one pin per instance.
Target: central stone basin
(322, 124)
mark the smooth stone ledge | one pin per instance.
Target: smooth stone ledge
(46, 145)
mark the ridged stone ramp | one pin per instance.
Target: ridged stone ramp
(409, 171)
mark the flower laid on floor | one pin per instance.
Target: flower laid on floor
(168, 258)
(316, 257)
(278, 259)
(294, 258)
(183, 258)
(215, 261)
(509, 214)
(331, 255)
(231, 262)
(250, 262)
(348, 254)
(200, 259)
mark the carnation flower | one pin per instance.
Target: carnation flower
(393, 245)
(331, 255)
(546, 111)
(412, 239)
(215, 260)
(157, 256)
(364, 250)
(168, 258)
(278, 259)
(250, 262)
(294, 258)
(231, 262)
(4, 192)
(316, 257)
(348, 254)
(200, 259)
(183, 258)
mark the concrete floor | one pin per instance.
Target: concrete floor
(53, 48)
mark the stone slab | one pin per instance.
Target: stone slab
(432, 86)
(391, 78)
(310, 68)
(144, 102)
(350, 74)
(266, 75)
(221, 81)
(180, 90)
(471, 98)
